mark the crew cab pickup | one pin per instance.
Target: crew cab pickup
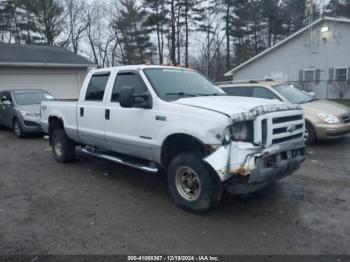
(166, 118)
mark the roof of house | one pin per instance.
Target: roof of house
(267, 51)
(40, 56)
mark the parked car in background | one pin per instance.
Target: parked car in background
(20, 110)
(156, 117)
(324, 119)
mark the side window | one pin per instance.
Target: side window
(261, 92)
(96, 87)
(6, 96)
(127, 79)
(239, 91)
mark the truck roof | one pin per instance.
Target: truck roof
(140, 67)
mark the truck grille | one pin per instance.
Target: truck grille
(346, 118)
(279, 127)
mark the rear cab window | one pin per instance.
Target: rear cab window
(251, 91)
(245, 91)
(97, 86)
(262, 92)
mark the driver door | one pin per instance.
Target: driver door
(129, 130)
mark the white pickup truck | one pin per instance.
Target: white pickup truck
(157, 117)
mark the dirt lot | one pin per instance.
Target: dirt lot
(49, 208)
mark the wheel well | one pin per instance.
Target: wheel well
(55, 123)
(181, 143)
(307, 122)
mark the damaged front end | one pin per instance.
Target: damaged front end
(260, 147)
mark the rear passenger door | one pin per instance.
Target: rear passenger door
(91, 111)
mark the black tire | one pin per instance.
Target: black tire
(310, 136)
(210, 186)
(63, 148)
(17, 129)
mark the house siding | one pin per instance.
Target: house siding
(62, 83)
(307, 53)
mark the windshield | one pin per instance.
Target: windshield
(293, 94)
(32, 98)
(172, 84)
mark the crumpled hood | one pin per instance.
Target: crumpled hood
(228, 105)
(29, 108)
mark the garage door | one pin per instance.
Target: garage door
(61, 85)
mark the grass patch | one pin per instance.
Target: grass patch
(343, 102)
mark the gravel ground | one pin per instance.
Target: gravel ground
(50, 208)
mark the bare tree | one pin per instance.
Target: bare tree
(75, 24)
(97, 32)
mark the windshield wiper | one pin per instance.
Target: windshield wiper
(181, 94)
(214, 94)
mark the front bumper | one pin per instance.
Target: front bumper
(31, 125)
(244, 168)
(324, 131)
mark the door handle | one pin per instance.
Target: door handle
(107, 114)
(82, 112)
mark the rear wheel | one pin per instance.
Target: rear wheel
(17, 129)
(193, 184)
(310, 135)
(63, 147)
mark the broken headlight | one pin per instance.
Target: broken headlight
(242, 132)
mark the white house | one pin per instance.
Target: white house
(316, 58)
(38, 67)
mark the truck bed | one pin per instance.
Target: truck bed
(64, 109)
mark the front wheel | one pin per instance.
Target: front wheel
(63, 147)
(193, 184)
(17, 129)
(310, 135)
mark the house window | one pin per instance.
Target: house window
(309, 75)
(341, 74)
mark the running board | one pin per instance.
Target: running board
(148, 169)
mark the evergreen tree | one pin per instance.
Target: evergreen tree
(338, 8)
(157, 20)
(134, 36)
(48, 14)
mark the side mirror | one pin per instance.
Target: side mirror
(313, 94)
(6, 102)
(126, 96)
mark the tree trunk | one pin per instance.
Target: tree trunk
(173, 33)
(158, 38)
(228, 51)
(187, 34)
